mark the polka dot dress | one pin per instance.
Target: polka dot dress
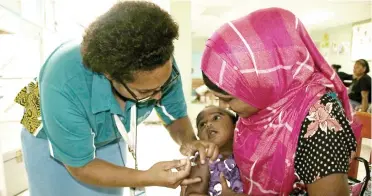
(326, 141)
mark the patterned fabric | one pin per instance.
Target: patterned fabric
(268, 60)
(326, 144)
(29, 98)
(231, 173)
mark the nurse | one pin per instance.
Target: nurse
(82, 114)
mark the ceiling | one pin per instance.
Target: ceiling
(208, 15)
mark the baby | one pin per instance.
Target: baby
(216, 125)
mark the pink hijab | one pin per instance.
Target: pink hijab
(268, 60)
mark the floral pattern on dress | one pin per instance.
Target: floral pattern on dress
(320, 117)
(231, 172)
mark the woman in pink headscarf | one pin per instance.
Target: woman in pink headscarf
(295, 118)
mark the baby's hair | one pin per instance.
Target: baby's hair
(234, 118)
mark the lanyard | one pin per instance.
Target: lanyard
(131, 137)
(131, 140)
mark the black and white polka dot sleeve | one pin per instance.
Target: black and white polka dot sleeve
(326, 141)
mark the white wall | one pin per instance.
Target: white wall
(2, 175)
(181, 12)
(13, 5)
(338, 35)
(196, 62)
(198, 46)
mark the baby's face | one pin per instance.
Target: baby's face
(216, 126)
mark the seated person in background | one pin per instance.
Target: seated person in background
(360, 89)
(216, 125)
(343, 76)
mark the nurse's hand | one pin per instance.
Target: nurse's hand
(165, 174)
(206, 150)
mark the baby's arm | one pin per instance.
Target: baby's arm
(200, 188)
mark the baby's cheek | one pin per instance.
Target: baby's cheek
(203, 137)
(219, 142)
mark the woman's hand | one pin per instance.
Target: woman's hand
(161, 174)
(226, 191)
(205, 149)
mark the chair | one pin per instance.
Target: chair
(365, 119)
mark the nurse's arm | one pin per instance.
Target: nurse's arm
(172, 109)
(102, 173)
(181, 130)
(72, 142)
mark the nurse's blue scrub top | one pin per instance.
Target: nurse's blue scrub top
(77, 107)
